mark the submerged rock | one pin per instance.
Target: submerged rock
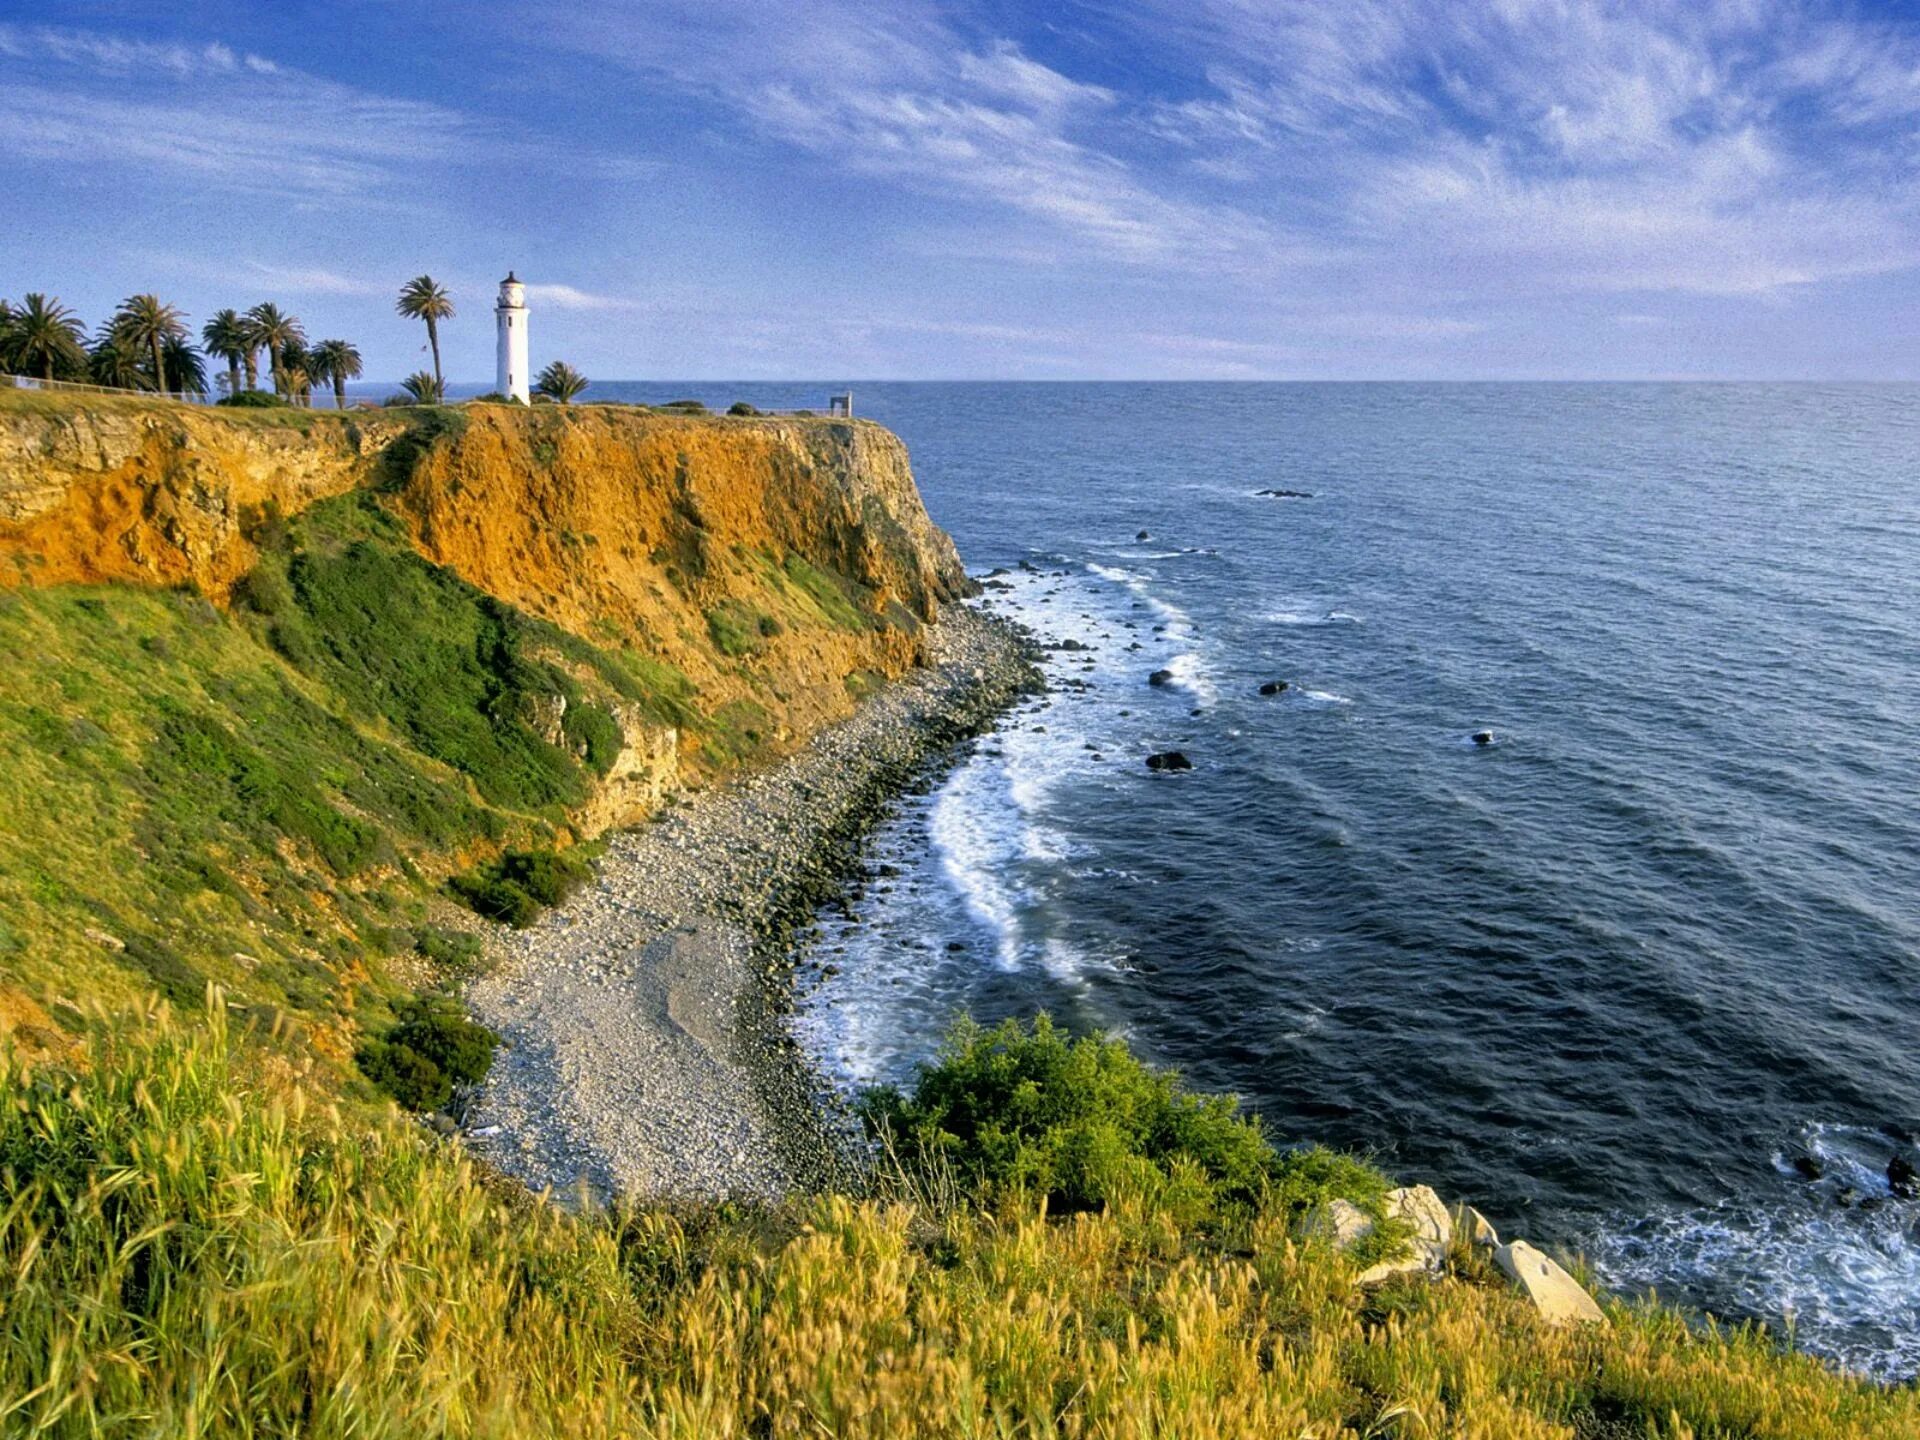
(1287, 494)
(1143, 535)
(1554, 1293)
(1901, 1178)
(1169, 760)
(1274, 687)
(1160, 677)
(1483, 737)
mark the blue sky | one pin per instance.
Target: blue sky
(1167, 188)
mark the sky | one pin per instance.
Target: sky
(830, 189)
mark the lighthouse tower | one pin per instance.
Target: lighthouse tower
(510, 321)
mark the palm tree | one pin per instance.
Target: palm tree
(335, 361)
(296, 370)
(226, 335)
(186, 368)
(424, 388)
(149, 322)
(423, 298)
(118, 360)
(276, 330)
(560, 381)
(44, 335)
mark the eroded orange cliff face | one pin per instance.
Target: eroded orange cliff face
(780, 564)
(108, 489)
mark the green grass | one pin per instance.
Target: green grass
(193, 1244)
(466, 678)
(176, 788)
(737, 629)
(836, 600)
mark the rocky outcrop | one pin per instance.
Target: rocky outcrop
(1554, 1293)
(1415, 1208)
(1429, 1229)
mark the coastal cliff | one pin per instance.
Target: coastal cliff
(277, 671)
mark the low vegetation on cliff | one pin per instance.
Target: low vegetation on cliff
(196, 1243)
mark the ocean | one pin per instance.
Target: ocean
(1640, 978)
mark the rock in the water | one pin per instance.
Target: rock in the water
(1160, 677)
(1808, 1168)
(1169, 760)
(1554, 1293)
(1901, 1178)
(1483, 737)
(1289, 494)
(1274, 687)
(1143, 535)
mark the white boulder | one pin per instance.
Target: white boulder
(1554, 1293)
(1424, 1250)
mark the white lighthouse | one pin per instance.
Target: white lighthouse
(510, 321)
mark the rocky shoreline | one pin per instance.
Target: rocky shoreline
(646, 1046)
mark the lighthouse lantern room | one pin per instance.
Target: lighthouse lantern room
(510, 321)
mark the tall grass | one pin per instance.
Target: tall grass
(192, 1245)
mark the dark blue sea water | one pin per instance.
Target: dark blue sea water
(1605, 977)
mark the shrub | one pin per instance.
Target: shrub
(1022, 1111)
(741, 407)
(433, 1048)
(255, 400)
(452, 950)
(521, 883)
(436, 1029)
(691, 407)
(405, 1074)
(494, 397)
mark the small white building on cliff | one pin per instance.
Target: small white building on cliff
(510, 324)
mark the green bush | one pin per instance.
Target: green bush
(433, 1048)
(521, 883)
(494, 397)
(741, 407)
(1026, 1111)
(436, 1028)
(453, 951)
(405, 1074)
(255, 400)
(448, 665)
(691, 407)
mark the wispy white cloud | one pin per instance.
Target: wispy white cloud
(1555, 145)
(567, 297)
(927, 109)
(221, 116)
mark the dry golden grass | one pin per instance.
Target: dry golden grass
(189, 1248)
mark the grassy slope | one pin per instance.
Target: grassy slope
(253, 798)
(193, 1246)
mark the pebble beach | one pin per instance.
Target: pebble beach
(646, 1050)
